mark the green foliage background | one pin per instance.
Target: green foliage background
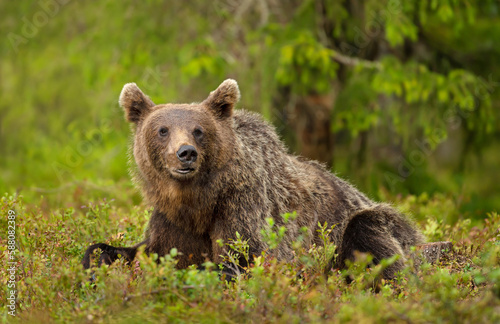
(412, 105)
(416, 85)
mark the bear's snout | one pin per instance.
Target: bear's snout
(187, 154)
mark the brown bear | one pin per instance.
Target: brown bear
(211, 171)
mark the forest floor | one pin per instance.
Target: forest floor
(50, 284)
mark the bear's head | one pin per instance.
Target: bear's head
(181, 142)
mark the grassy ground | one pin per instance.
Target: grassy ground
(52, 286)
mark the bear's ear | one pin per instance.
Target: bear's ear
(135, 103)
(221, 101)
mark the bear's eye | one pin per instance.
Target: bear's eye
(163, 131)
(198, 133)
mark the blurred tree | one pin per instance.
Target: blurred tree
(374, 75)
(397, 93)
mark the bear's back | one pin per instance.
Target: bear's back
(253, 131)
(290, 182)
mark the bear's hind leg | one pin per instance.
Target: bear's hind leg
(381, 231)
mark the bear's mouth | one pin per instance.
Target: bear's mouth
(184, 170)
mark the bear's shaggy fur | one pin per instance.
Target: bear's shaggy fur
(241, 174)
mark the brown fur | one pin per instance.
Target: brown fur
(243, 174)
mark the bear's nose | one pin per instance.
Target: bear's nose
(187, 154)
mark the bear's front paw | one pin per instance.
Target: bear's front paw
(107, 256)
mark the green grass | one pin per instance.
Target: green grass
(53, 287)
